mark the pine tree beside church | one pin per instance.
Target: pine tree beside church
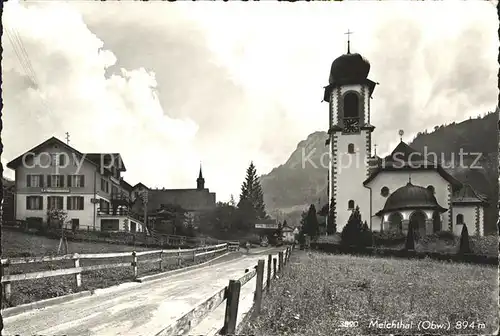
(464, 240)
(251, 197)
(352, 233)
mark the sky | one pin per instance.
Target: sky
(170, 85)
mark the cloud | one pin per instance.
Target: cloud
(68, 63)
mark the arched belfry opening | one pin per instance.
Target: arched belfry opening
(351, 105)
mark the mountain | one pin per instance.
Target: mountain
(294, 185)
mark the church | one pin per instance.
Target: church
(405, 189)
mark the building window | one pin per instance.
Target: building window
(55, 202)
(351, 105)
(34, 202)
(104, 185)
(34, 181)
(431, 188)
(460, 219)
(55, 181)
(58, 160)
(76, 181)
(384, 191)
(75, 203)
(350, 205)
(350, 148)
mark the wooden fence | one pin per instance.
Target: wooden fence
(179, 254)
(231, 294)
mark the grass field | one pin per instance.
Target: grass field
(322, 294)
(20, 244)
(17, 244)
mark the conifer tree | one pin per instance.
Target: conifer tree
(464, 240)
(410, 239)
(311, 224)
(251, 203)
(331, 226)
(351, 232)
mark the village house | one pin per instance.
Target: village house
(89, 188)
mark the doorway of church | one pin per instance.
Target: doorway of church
(417, 223)
(436, 222)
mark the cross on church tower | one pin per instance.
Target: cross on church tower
(348, 40)
(67, 138)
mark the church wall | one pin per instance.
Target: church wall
(469, 213)
(351, 171)
(396, 179)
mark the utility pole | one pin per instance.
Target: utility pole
(145, 203)
(67, 138)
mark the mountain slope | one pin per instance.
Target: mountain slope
(297, 183)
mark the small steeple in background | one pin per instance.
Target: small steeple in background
(200, 181)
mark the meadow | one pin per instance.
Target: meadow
(321, 294)
(18, 244)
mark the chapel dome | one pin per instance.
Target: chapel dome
(411, 197)
(349, 67)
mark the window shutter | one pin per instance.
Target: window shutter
(28, 205)
(41, 181)
(41, 202)
(69, 181)
(61, 202)
(82, 181)
(28, 180)
(68, 203)
(49, 181)
(61, 178)
(80, 199)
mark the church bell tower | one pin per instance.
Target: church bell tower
(348, 94)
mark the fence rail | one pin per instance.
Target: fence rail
(179, 254)
(231, 295)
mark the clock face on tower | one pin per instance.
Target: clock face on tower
(351, 125)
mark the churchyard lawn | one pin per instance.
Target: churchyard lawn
(321, 294)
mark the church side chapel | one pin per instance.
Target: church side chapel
(404, 189)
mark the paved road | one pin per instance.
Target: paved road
(140, 309)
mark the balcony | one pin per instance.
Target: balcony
(108, 212)
(120, 198)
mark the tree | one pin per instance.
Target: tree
(220, 221)
(410, 238)
(464, 240)
(331, 226)
(251, 197)
(311, 224)
(285, 223)
(353, 233)
(172, 219)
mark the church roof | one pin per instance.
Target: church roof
(349, 67)
(404, 157)
(468, 195)
(411, 197)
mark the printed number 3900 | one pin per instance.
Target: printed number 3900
(348, 324)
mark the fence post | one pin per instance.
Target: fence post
(269, 262)
(134, 264)
(6, 285)
(227, 247)
(78, 276)
(258, 286)
(281, 259)
(194, 254)
(161, 259)
(233, 298)
(275, 261)
(179, 259)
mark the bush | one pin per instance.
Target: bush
(389, 238)
(464, 241)
(445, 235)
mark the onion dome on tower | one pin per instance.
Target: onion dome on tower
(349, 69)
